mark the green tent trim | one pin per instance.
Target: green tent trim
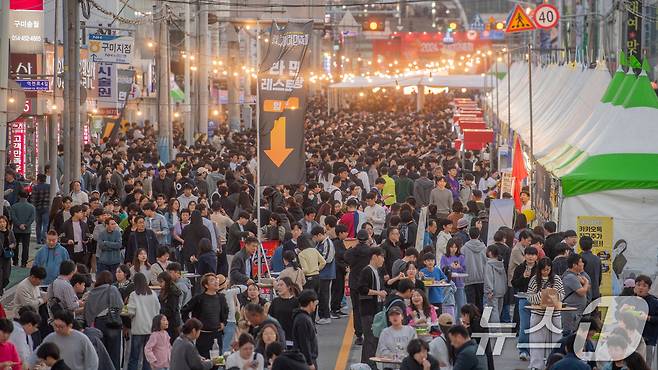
(624, 88)
(612, 172)
(613, 86)
(641, 94)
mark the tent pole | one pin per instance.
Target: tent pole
(532, 161)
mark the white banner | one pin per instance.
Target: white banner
(111, 48)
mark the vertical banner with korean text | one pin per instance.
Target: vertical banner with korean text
(282, 104)
(599, 228)
(634, 28)
(17, 145)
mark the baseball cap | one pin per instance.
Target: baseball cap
(445, 319)
(394, 310)
(362, 235)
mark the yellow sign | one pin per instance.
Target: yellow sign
(519, 21)
(599, 228)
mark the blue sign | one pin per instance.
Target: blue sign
(34, 85)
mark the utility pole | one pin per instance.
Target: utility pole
(232, 79)
(66, 113)
(202, 76)
(164, 125)
(52, 128)
(4, 80)
(188, 123)
(75, 128)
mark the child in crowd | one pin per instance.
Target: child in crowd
(449, 293)
(432, 272)
(495, 282)
(158, 348)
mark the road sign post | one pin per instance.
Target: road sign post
(546, 16)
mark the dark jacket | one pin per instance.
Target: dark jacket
(357, 258)
(341, 264)
(560, 265)
(519, 282)
(192, 235)
(570, 362)
(60, 365)
(170, 306)
(466, 358)
(211, 310)
(207, 263)
(67, 235)
(409, 363)
(185, 356)
(304, 336)
(238, 271)
(40, 196)
(594, 269)
(369, 303)
(165, 187)
(22, 213)
(96, 338)
(234, 237)
(650, 332)
(551, 242)
(151, 246)
(392, 253)
(290, 360)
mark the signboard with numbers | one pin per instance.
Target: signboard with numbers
(34, 85)
(600, 229)
(546, 16)
(111, 48)
(282, 105)
(26, 26)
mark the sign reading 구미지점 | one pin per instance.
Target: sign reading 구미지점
(111, 48)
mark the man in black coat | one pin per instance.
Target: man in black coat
(593, 266)
(162, 184)
(304, 333)
(357, 258)
(338, 286)
(75, 236)
(372, 294)
(553, 238)
(240, 272)
(236, 233)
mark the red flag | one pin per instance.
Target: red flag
(519, 172)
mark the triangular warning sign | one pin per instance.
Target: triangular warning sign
(519, 21)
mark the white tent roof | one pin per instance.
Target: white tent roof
(415, 79)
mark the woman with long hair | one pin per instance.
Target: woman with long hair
(245, 355)
(169, 297)
(8, 250)
(55, 207)
(123, 282)
(205, 259)
(544, 278)
(292, 270)
(470, 318)
(102, 299)
(285, 303)
(173, 213)
(142, 306)
(295, 211)
(140, 262)
(252, 295)
(267, 335)
(456, 261)
(420, 312)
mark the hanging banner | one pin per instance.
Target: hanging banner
(282, 105)
(17, 145)
(600, 229)
(111, 126)
(634, 28)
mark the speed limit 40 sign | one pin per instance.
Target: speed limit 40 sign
(546, 16)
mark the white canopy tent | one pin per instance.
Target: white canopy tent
(416, 79)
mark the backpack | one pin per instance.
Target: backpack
(379, 322)
(55, 304)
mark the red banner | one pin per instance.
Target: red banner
(26, 4)
(17, 145)
(425, 46)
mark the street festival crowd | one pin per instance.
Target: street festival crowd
(150, 265)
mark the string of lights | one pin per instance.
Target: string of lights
(148, 19)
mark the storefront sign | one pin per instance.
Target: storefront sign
(600, 229)
(634, 28)
(26, 26)
(111, 48)
(17, 145)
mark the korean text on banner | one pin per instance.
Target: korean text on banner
(111, 48)
(600, 229)
(282, 104)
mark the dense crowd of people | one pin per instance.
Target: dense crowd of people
(151, 265)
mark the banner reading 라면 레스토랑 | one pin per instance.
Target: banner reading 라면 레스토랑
(282, 105)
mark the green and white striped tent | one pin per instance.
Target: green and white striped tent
(602, 143)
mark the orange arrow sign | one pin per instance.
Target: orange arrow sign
(278, 151)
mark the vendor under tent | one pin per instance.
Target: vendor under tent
(605, 161)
